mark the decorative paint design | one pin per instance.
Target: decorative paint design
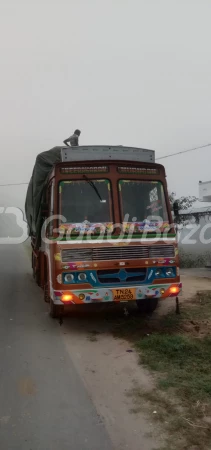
(155, 292)
(95, 296)
(58, 294)
(82, 266)
(164, 262)
(146, 225)
(75, 266)
(86, 227)
(57, 257)
(107, 295)
(150, 274)
(70, 265)
(139, 293)
(93, 277)
(152, 292)
(59, 278)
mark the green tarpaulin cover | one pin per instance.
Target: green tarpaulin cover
(43, 166)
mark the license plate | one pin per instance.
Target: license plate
(123, 294)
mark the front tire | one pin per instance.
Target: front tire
(142, 305)
(55, 311)
(46, 293)
(147, 305)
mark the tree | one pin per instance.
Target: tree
(183, 202)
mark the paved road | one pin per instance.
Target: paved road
(43, 402)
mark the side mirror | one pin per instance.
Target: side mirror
(44, 209)
(176, 209)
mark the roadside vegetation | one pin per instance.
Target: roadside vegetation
(177, 350)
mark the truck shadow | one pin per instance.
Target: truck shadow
(119, 320)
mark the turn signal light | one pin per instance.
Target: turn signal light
(174, 289)
(66, 298)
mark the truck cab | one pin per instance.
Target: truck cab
(107, 232)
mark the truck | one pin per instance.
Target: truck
(101, 228)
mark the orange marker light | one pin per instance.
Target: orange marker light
(174, 289)
(66, 298)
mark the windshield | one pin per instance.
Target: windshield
(143, 205)
(85, 204)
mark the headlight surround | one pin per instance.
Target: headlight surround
(82, 276)
(170, 272)
(158, 273)
(69, 278)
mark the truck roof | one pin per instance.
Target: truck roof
(46, 161)
(106, 152)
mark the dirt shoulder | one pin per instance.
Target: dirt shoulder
(108, 365)
(195, 280)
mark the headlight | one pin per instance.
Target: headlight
(158, 273)
(69, 277)
(169, 272)
(82, 276)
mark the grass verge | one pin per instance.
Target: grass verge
(177, 349)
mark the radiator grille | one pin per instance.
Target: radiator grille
(130, 252)
(83, 254)
(116, 253)
(161, 251)
(114, 276)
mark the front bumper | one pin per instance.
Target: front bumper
(120, 294)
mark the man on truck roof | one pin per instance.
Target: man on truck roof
(73, 140)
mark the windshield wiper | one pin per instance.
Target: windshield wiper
(94, 187)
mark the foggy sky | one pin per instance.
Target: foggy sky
(129, 72)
